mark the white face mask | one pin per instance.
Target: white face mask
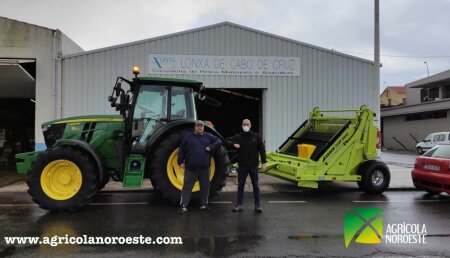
(246, 128)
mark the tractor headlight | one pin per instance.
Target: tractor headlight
(52, 133)
(45, 128)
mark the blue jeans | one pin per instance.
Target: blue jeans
(243, 172)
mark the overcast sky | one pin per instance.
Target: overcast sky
(412, 31)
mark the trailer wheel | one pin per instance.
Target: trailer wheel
(375, 177)
(62, 179)
(167, 176)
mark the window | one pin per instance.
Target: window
(388, 93)
(424, 95)
(181, 104)
(440, 151)
(404, 100)
(429, 94)
(426, 115)
(441, 137)
(150, 112)
(436, 138)
(434, 93)
(447, 92)
(389, 102)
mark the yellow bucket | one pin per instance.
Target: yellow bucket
(305, 150)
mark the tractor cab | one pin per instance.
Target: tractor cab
(156, 105)
(152, 102)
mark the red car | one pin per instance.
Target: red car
(432, 170)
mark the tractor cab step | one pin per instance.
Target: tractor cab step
(134, 171)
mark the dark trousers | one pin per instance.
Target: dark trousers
(243, 172)
(190, 177)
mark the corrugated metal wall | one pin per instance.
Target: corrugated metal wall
(328, 80)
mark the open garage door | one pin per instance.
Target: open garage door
(237, 104)
(17, 107)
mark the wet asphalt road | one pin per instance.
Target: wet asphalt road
(293, 224)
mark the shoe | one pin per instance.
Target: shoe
(182, 209)
(205, 208)
(258, 209)
(237, 208)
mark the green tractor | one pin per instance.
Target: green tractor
(83, 153)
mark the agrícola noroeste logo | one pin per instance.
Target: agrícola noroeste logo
(365, 226)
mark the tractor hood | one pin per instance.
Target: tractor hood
(79, 127)
(80, 119)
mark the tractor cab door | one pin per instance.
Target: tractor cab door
(152, 110)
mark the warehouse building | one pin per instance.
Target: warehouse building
(30, 79)
(272, 80)
(427, 110)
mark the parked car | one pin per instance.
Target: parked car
(432, 170)
(432, 140)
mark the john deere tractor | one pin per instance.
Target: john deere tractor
(83, 153)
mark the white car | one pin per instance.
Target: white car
(432, 140)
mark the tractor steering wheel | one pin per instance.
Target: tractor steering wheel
(144, 111)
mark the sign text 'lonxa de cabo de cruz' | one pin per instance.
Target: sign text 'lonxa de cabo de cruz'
(224, 65)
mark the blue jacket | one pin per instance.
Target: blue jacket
(193, 150)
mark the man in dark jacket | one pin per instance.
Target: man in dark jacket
(248, 144)
(196, 150)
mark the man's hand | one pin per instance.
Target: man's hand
(263, 166)
(237, 146)
(182, 166)
(208, 148)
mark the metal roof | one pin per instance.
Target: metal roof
(225, 23)
(431, 81)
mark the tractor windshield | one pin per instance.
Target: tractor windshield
(152, 109)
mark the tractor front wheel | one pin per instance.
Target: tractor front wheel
(62, 179)
(167, 176)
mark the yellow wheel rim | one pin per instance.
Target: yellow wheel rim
(176, 173)
(61, 179)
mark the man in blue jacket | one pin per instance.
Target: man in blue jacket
(196, 150)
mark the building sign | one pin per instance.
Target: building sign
(224, 65)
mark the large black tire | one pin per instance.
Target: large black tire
(159, 176)
(81, 196)
(103, 182)
(375, 177)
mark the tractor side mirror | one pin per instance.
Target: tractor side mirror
(118, 88)
(208, 100)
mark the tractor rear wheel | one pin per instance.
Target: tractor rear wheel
(375, 177)
(167, 177)
(62, 179)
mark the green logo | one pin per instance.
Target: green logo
(363, 224)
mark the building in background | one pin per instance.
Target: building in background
(30, 84)
(393, 96)
(426, 111)
(272, 80)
